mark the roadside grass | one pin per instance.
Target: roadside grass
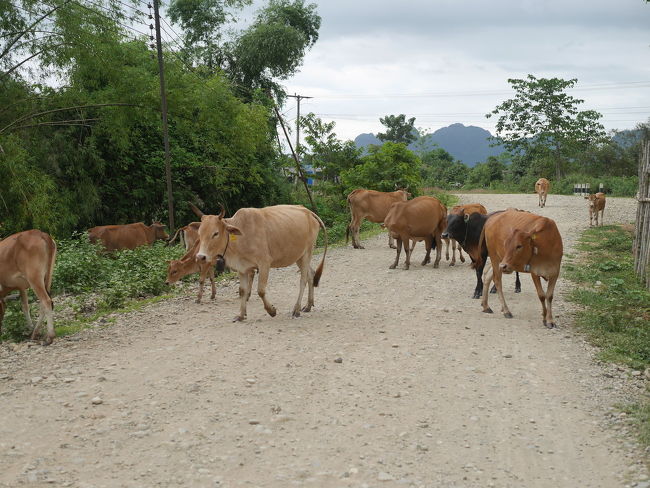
(614, 310)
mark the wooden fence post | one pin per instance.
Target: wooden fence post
(642, 237)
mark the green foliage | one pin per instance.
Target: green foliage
(441, 170)
(542, 118)
(398, 129)
(385, 168)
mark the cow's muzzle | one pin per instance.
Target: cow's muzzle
(201, 257)
(445, 235)
(221, 264)
(505, 268)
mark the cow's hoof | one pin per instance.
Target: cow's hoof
(239, 318)
(360, 247)
(393, 247)
(462, 260)
(295, 314)
(452, 264)
(406, 267)
(198, 300)
(518, 290)
(306, 308)
(272, 311)
(550, 325)
(392, 266)
(493, 289)
(476, 296)
(507, 315)
(436, 265)
(488, 310)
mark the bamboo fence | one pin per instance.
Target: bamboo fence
(642, 238)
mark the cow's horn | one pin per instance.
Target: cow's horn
(223, 211)
(196, 210)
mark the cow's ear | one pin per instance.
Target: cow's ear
(233, 230)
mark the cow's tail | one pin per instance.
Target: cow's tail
(51, 247)
(319, 270)
(169, 242)
(347, 229)
(481, 243)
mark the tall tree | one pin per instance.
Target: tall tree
(398, 129)
(542, 116)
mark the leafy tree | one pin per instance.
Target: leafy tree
(440, 169)
(542, 118)
(385, 168)
(398, 129)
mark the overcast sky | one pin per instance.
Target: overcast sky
(446, 61)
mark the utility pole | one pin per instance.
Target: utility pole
(163, 107)
(298, 98)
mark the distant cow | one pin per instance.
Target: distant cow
(27, 261)
(466, 227)
(542, 187)
(179, 268)
(596, 204)
(422, 218)
(373, 206)
(129, 236)
(261, 239)
(189, 234)
(528, 243)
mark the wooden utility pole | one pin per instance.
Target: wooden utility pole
(298, 98)
(163, 107)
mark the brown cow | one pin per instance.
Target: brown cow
(129, 236)
(523, 242)
(542, 187)
(596, 204)
(264, 238)
(420, 218)
(27, 261)
(179, 268)
(373, 206)
(189, 234)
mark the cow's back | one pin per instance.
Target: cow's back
(374, 205)
(419, 217)
(118, 237)
(469, 208)
(23, 252)
(279, 234)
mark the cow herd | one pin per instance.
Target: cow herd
(254, 240)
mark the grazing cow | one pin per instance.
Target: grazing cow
(27, 261)
(422, 218)
(129, 236)
(263, 238)
(466, 229)
(373, 206)
(542, 186)
(179, 268)
(528, 243)
(189, 234)
(596, 204)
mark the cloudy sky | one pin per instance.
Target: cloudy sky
(447, 61)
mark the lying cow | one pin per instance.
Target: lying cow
(542, 187)
(27, 261)
(179, 268)
(466, 227)
(528, 243)
(422, 218)
(263, 238)
(373, 206)
(596, 204)
(129, 236)
(189, 234)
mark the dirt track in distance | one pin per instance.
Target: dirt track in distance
(430, 392)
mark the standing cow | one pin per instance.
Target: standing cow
(129, 236)
(423, 218)
(542, 187)
(596, 204)
(373, 206)
(27, 261)
(528, 243)
(263, 238)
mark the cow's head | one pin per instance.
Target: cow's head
(215, 234)
(173, 271)
(519, 250)
(159, 231)
(405, 193)
(591, 200)
(456, 225)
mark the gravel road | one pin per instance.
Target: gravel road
(395, 379)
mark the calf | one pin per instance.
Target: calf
(596, 204)
(422, 218)
(528, 243)
(542, 186)
(27, 261)
(179, 268)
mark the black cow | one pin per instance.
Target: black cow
(466, 230)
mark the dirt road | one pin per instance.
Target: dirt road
(429, 391)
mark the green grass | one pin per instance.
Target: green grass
(614, 310)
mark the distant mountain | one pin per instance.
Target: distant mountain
(468, 144)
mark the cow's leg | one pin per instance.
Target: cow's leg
(460, 251)
(303, 265)
(262, 280)
(479, 282)
(438, 244)
(602, 216)
(355, 226)
(517, 283)
(202, 275)
(540, 294)
(452, 243)
(24, 302)
(310, 288)
(487, 279)
(407, 251)
(212, 284)
(245, 284)
(427, 244)
(46, 308)
(498, 281)
(391, 241)
(399, 250)
(447, 241)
